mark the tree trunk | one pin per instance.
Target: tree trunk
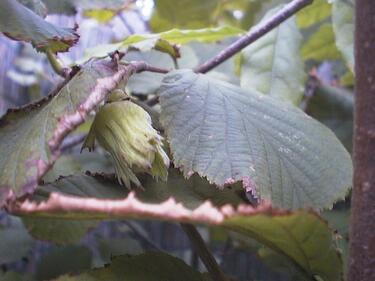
(362, 229)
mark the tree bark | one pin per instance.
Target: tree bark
(362, 228)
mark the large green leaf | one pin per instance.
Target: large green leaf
(228, 134)
(285, 234)
(321, 45)
(272, 65)
(26, 133)
(165, 41)
(169, 14)
(343, 26)
(20, 23)
(299, 236)
(150, 266)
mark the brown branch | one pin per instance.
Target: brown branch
(255, 33)
(362, 225)
(204, 253)
(60, 205)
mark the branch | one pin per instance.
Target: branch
(57, 66)
(59, 205)
(255, 33)
(204, 253)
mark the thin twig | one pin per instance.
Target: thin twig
(57, 66)
(254, 34)
(150, 68)
(204, 253)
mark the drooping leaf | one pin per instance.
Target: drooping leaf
(30, 136)
(315, 13)
(300, 236)
(296, 241)
(321, 45)
(63, 260)
(150, 266)
(228, 134)
(343, 26)
(271, 65)
(20, 23)
(165, 41)
(169, 14)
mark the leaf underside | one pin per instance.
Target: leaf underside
(228, 134)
